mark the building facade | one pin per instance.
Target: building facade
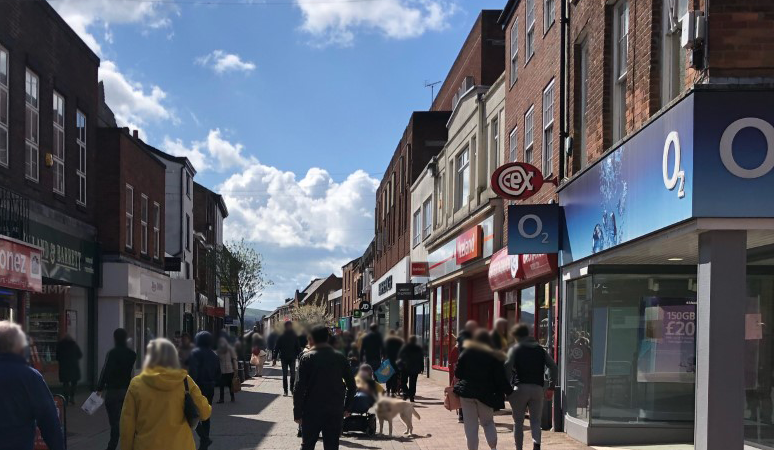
(206, 228)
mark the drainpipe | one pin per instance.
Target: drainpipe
(564, 23)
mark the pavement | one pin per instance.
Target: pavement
(261, 418)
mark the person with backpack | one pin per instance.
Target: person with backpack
(526, 365)
(114, 381)
(204, 369)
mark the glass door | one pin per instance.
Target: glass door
(759, 362)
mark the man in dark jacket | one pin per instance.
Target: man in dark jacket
(114, 380)
(271, 341)
(392, 346)
(204, 369)
(526, 366)
(372, 348)
(25, 401)
(324, 392)
(411, 358)
(288, 348)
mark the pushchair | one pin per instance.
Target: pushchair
(360, 419)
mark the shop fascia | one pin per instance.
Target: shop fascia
(20, 265)
(474, 244)
(134, 282)
(384, 288)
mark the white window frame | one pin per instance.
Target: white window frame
(672, 54)
(495, 136)
(529, 44)
(529, 134)
(620, 61)
(514, 51)
(417, 223)
(584, 103)
(32, 126)
(548, 129)
(156, 230)
(462, 178)
(58, 151)
(513, 145)
(80, 139)
(4, 105)
(427, 217)
(129, 222)
(143, 224)
(549, 15)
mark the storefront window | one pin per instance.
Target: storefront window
(527, 310)
(759, 363)
(546, 300)
(438, 326)
(445, 324)
(578, 362)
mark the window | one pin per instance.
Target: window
(512, 145)
(156, 230)
(672, 54)
(129, 228)
(463, 178)
(495, 131)
(549, 14)
(427, 217)
(31, 124)
(548, 128)
(530, 30)
(58, 152)
(514, 50)
(417, 227)
(439, 196)
(187, 184)
(144, 223)
(80, 123)
(187, 232)
(583, 98)
(620, 58)
(3, 107)
(529, 137)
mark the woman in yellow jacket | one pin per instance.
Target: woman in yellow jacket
(152, 417)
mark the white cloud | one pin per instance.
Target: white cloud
(212, 153)
(133, 104)
(194, 154)
(221, 62)
(337, 22)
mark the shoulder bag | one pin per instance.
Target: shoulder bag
(190, 410)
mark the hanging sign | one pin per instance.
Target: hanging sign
(518, 181)
(365, 306)
(533, 229)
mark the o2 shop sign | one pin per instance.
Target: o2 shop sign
(518, 181)
(533, 229)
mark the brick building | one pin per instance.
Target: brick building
(351, 285)
(48, 148)
(206, 228)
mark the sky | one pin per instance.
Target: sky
(291, 109)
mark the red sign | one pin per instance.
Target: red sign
(20, 266)
(505, 270)
(40, 444)
(420, 269)
(215, 311)
(518, 181)
(469, 245)
(538, 265)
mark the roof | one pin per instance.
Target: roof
(218, 199)
(508, 11)
(178, 159)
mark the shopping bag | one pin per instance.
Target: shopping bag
(92, 404)
(236, 385)
(451, 400)
(385, 371)
(254, 360)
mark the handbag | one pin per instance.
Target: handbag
(385, 371)
(451, 400)
(236, 385)
(254, 360)
(190, 410)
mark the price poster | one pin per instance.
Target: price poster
(667, 348)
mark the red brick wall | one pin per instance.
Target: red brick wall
(740, 38)
(350, 277)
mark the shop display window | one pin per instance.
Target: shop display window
(759, 362)
(527, 306)
(445, 324)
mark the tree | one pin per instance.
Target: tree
(307, 316)
(239, 269)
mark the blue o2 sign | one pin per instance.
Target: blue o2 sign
(533, 229)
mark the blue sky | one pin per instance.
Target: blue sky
(290, 108)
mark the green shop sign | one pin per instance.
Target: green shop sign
(66, 258)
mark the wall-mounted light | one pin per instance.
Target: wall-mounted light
(675, 259)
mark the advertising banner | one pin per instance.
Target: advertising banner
(667, 350)
(504, 270)
(468, 245)
(20, 266)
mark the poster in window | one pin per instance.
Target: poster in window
(667, 347)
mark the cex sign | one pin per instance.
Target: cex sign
(469, 245)
(518, 181)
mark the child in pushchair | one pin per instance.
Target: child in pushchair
(367, 392)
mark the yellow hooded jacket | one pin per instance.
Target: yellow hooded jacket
(152, 417)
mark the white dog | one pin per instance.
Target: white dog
(389, 408)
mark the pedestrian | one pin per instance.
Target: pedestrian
(288, 348)
(114, 381)
(372, 347)
(271, 341)
(204, 369)
(411, 358)
(184, 349)
(347, 341)
(499, 335)
(259, 351)
(482, 387)
(69, 355)
(228, 367)
(152, 416)
(526, 365)
(25, 401)
(392, 345)
(320, 398)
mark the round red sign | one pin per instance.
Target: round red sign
(517, 181)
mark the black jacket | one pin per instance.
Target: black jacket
(372, 348)
(68, 354)
(271, 341)
(481, 375)
(392, 346)
(288, 346)
(325, 384)
(527, 362)
(412, 359)
(204, 364)
(117, 371)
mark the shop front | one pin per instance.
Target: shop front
(385, 304)
(20, 277)
(668, 281)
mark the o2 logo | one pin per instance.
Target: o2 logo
(727, 153)
(538, 228)
(678, 174)
(533, 229)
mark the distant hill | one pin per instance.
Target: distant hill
(253, 314)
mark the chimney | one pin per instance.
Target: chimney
(136, 134)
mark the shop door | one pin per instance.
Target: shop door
(481, 302)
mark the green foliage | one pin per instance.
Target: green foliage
(239, 269)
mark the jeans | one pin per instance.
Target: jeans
(394, 382)
(410, 385)
(526, 396)
(203, 429)
(475, 412)
(226, 380)
(288, 365)
(327, 423)
(114, 402)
